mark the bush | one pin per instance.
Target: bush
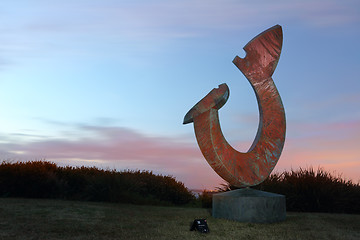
(36, 179)
(307, 190)
(41, 179)
(206, 199)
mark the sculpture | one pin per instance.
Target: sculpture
(250, 168)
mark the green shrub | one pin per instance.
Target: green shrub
(206, 199)
(35, 179)
(307, 190)
(41, 179)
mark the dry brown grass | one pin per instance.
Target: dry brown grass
(56, 219)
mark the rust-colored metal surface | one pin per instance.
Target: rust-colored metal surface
(253, 167)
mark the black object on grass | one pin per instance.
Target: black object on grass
(200, 225)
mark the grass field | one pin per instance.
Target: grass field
(56, 219)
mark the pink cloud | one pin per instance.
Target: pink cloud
(122, 148)
(333, 146)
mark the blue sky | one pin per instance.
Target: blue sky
(107, 83)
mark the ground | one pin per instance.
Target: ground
(57, 219)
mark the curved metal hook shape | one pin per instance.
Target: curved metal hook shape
(254, 166)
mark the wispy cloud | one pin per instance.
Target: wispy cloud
(142, 26)
(177, 18)
(121, 148)
(191, 18)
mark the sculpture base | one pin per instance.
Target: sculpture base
(249, 205)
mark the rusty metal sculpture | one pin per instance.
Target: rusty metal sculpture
(254, 166)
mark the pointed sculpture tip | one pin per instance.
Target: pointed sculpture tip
(216, 98)
(273, 32)
(267, 44)
(276, 27)
(188, 118)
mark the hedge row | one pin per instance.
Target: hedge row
(41, 179)
(307, 190)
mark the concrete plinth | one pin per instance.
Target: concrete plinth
(249, 205)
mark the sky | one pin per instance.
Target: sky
(107, 83)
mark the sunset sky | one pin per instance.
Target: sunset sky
(107, 83)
